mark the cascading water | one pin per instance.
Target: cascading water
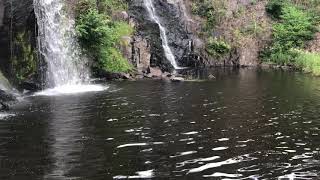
(163, 34)
(67, 69)
(58, 45)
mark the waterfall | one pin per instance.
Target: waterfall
(163, 34)
(67, 69)
(58, 45)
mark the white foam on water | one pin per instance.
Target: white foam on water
(220, 175)
(5, 115)
(71, 89)
(140, 175)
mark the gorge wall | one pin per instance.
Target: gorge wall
(18, 31)
(245, 26)
(18, 55)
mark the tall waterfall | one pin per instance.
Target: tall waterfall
(163, 34)
(58, 45)
(67, 70)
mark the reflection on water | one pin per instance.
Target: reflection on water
(243, 124)
(64, 129)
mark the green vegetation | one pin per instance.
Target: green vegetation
(275, 7)
(100, 36)
(217, 48)
(24, 63)
(212, 10)
(109, 6)
(295, 26)
(308, 62)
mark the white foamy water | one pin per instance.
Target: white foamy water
(5, 115)
(58, 45)
(68, 71)
(71, 89)
(163, 34)
(140, 175)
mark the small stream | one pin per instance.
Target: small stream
(244, 124)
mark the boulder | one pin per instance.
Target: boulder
(113, 75)
(30, 85)
(5, 98)
(177, 79)
(121, 15)
(155, 72)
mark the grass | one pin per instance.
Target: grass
(309, 62)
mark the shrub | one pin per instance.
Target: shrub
(100, 37)
(275, 7)
(212, 10)
(93, 31)
(112, 5)
(292, 31)
(296, 27)
(217, 48)
(113, 61)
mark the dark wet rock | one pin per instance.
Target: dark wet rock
(6, 96)
(113, 75)
(177, 36)
(30, 85)
(18, 29)
(5, 99)
(4, 107)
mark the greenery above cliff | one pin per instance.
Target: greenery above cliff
(295, 24)
(100, 35)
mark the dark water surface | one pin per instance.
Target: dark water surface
(246, 124)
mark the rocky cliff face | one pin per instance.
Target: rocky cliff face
(184, 34)
(147, 38)
(18, 55)
(19, 59)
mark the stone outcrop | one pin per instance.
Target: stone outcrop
(141, 54)
(183, 30)
(18, 55)
(248, 28)
(148, 34)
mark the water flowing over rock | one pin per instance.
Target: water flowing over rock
(58, 45)
(163, 33)
(163, 24)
